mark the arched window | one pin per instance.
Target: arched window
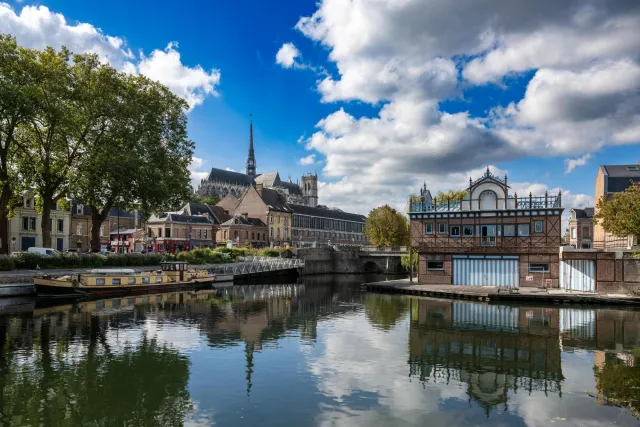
(488, 200)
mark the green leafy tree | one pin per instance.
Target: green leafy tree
(386, 226)
(141, 159)
(17, 107)
(620, 384)
(207, 200)
(452, 195)
(384, 311)
(620, 214)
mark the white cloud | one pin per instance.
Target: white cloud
(308, 160)
(287, 55)
(571, 164)
(39, 27)
(405, 57)
(229, 169)
(196, 175)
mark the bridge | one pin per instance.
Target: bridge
(339, 259)
(255, 265)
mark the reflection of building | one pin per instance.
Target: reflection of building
(491, 237)
(491, 348)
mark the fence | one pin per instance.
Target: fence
(612, 243)
(257, 264)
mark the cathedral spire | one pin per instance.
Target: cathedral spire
(251, 159)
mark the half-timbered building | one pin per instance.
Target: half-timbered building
(489, 238)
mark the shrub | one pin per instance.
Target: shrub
(273, 253)
(6, 263)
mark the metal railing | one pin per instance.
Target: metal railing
(418, 204)
(612, 243)
(383, 249)
(256, 264)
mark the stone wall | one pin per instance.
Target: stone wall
(616, 271)
(329, 261)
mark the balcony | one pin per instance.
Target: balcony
(418, 204)
(120, 243)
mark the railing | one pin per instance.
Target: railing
(121, 243)
(612, 243)
(383, 248)
(255, 264)
(418, 204)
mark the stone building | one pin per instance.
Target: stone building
(242, 231)
(25, 227)
(222, 183)
(489, 238)
(313, 225)
(80, 231)
(270, 206)
(581, 228)
(613, 179)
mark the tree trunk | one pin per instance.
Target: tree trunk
(46, 220)
(5, 196)
(97, 218)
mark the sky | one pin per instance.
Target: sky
(379, 96)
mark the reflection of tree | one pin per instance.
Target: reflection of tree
(619, 384)
(383, 311)
(143, 385)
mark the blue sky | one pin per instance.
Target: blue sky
(406, 91)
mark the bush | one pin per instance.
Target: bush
(273, 253)
(6, 263)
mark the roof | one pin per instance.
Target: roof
(619, 177)
(292, 187)
(177, 217)
(270, 179)
(223, 175)
(86, 210)
(327, 213)
(228, 203)
(193, 208)
(123, 231)
(221, 213)
(274, 200)
(586, 213)
(240, 220)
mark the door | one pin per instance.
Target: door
(488, 234)
(60, 244)
(27, 242)
(578, 275)
(486, 272)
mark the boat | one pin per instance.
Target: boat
(174, 275)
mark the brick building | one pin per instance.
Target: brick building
(489, 238)
(312, 225)
(242, 230)
(581, 228)
(80, 231)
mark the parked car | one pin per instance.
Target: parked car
(43, 251)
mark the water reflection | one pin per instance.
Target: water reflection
(317, 352)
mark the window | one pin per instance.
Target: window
(467, 230)
(573, 233)
(253, 236)
(538, 226)
(159, 232)
(538, 267)
(442, 228)
(523, 230)
(435, 265)
(79, 209)
(79, 229)
(149, 232)
(454, 231)
(271, 233)
(146, 280)
(131, 281)
(271, 219)
(236, 234)
(246, 235)
(509, 230)
(100, 281)
(167, 233)
(205, 234)
(61, 225)
(159, 279)
(115, 281)
(632, 168)
(286, 220)
(25, 222)
(32, 223)
(102, 230)
(278, 220)
(27, 203)
(428, 228)
(226, 236)
(58, 206)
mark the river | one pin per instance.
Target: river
(315, 353)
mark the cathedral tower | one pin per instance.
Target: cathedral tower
(251, 159)
(310, 189)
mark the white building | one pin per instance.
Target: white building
(25, 227)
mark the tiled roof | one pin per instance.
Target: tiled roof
(177, 217)
(586, 213)
(327, 213)
(231, 177)
(220, 213)
(240, 220)
(229, 203)
(292, 187)
(275, 201)
(270, 179)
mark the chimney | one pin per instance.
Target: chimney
(245, 216)
(259, 188)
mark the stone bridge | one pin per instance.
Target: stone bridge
(351, 260)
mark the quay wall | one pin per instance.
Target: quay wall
(346, 261)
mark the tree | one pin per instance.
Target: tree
(387, 227)
(207, 200)
(17, 87)
(452, 195)
(384, 311)
(141, 159)
(620, 214)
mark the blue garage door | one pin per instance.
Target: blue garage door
(578, 275)
(486, 272)
(27, 242)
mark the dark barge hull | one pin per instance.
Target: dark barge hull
(60, 291)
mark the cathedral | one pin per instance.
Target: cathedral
(221, 182)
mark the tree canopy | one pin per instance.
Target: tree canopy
(620, 214)
(453, 195)
(386, 226)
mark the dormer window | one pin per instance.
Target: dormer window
(632, 168)
(27, 203)
(79, 209)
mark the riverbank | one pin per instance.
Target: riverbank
(493, 293)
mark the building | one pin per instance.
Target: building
(80, 231)
(222, 183)
(242, 230)
(312, 225)
(613, 179)
(25, 227)
(193, 226)
(489, 238)
(580, 228)
(228, 203)
(122, 240)
(270, 206)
